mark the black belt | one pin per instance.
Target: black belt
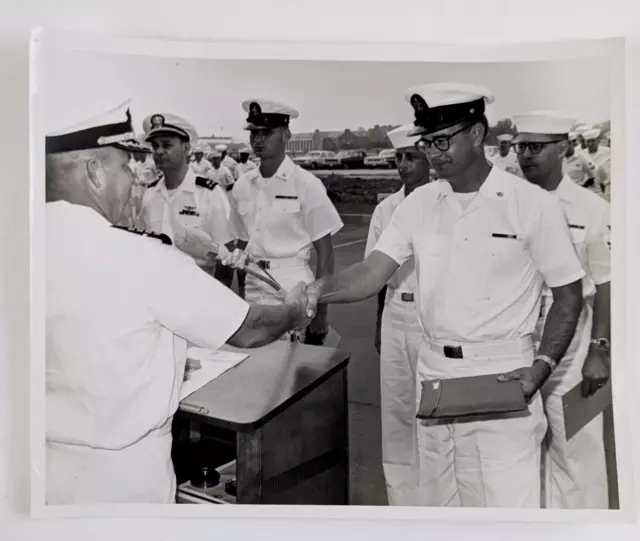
(453, 352)
(406, 297)
(264, 265)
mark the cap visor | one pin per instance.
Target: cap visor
(166, 131)
(254, 127)
(418, 130)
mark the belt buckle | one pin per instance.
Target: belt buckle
(406, 297)
(453, 352)
(264, 265)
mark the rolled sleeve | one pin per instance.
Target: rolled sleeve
(193, 305)
(396, 240)
(551, 246)
(320, 216)
(375, 230)
(599, 246)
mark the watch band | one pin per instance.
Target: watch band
(545, 358)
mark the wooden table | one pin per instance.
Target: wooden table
(282, 414)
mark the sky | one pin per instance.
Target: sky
(329, 95)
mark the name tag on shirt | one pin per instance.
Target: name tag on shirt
(189, 211)
(574, 226)
(503, 236)
(286, 197)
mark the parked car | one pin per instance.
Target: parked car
(352, 159)
(317, 159)
(386, 159)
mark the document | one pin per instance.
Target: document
(580, 411)
(212, 364)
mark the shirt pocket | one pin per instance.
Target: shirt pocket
(286, 206)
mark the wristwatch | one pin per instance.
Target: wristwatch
(602, 344)
(548, 360)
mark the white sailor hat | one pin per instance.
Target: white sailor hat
(200, 148)
(505, 137)
(544, 122)
(244, 150)
(573, 135)
(221, 147)
(112, 128)
(591, 134)
(581, 129)
(169, 124)
(399, 137)
(267, 114)
(438, 106)
(215, 154)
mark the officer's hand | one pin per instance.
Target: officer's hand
(595, 371)
(313, 295)
(297, 299)
(531, 378)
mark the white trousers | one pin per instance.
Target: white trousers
(494, 463)
(140, 473)
(575, 471)
(400, 343)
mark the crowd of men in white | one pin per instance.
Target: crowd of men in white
(481, 271)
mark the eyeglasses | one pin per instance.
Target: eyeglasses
(534, 148)
(441, 142)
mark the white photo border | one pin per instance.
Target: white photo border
(623, 313)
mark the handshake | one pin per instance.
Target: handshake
(303, 302)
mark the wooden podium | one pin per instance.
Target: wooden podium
(276, 424)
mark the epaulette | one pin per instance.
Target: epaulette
(160, 236)
(206, 183)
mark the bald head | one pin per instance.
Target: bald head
(97, 178)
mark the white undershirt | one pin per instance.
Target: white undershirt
(465, 199)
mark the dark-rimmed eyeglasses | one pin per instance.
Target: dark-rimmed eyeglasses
(534, 147)
(441, 142)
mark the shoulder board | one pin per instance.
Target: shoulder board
(160, 236)
(204, 182)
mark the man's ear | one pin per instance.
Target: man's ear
(562, 148)
(96, 174)
(477, 133)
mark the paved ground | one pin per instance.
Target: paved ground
(356, 324)
(371, 173)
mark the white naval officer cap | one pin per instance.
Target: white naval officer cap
(267, 114)
(438, 106)
(580, 129)
(400, 138)
(111, 128)
(591, 134)
(169, 124)
(505, 137)
(544, 122)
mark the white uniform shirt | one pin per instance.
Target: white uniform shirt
(603, 177)
(119, 309)
(232, 166)
(222, 176)
(202, 167)
(196, 206)
(480, 271)
(578, 167)
(404, 278)
(599, 157)
(589, 222)
(282, 216)
(244, 168)
(508, 163)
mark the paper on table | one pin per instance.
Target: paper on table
(579, 411)
(213, 363)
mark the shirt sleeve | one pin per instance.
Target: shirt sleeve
(190, 303)
(396, 240)
(599, 245)
(239, 226)
(374, 231)
(218, 223)
(320, 216)
(551, 246)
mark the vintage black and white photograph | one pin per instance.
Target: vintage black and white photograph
(328, 283)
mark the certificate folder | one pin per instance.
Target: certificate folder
(470, 397)
(580, 411)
